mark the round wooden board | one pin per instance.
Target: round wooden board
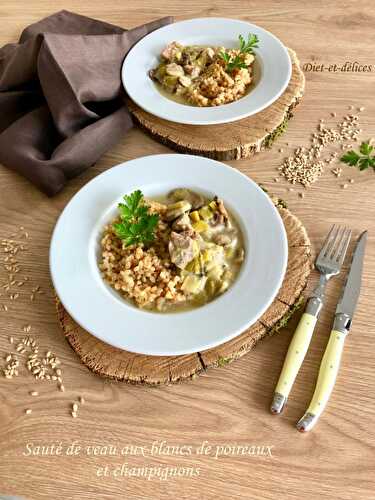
(228, 141)
(125, 366)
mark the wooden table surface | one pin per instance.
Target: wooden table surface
(227, 407)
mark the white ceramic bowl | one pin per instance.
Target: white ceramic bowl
(75, 250)
(273, 64)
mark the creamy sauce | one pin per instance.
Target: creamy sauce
(232, 263)
(197, 253)
(181, 100)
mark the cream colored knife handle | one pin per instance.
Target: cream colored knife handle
(293, 361)
(328, 371)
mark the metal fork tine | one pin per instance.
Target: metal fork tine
(332, 255)
(344, 248)
(337, 250)
(334, 243)
(327, 242)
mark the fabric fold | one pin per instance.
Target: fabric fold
(61, 97)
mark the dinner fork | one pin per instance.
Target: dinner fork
(328, 263)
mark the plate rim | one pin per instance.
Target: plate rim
(174, 352)
(208, 121)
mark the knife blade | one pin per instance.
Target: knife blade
(352, 287)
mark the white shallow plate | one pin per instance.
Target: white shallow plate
(274, 69)
(75, 250)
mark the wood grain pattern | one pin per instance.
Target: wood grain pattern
(228, 406)
(123, 366)
(228, 141)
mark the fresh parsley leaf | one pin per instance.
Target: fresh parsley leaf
(365, 163)
(133, 200)
(137, 225)
(232, 63)
(366, 148)
(246, 47)
(225, 56)
(351, 158)
(363, 160)
(242, 43)
(235, 63)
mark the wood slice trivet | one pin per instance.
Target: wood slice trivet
(125, 366)
(228, 141)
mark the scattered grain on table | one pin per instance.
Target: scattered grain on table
(11, 248)
(306, 164)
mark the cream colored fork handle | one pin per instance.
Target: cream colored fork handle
(293, 361)
(328, 371)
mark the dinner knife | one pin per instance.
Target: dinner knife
(330, 364)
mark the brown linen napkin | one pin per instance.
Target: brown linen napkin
(61, 103)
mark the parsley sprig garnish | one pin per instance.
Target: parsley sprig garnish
(246, 47)
(137, 225)
(361, 160)
(232, 62)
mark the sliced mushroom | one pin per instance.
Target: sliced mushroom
(195, 72)
(185, 81)
(222, 239)
(182, 223)
(188, 68)
(176, 209)
(185, 58)
(229, 236)
(195, 199)
(217, 219)
(174, 69)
